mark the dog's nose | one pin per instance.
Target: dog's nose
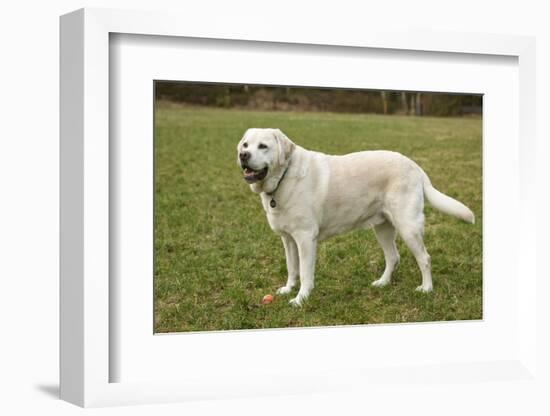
(244, 156)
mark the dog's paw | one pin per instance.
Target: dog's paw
(423, 289)
(299, 299)
(380, 283)
(296, 302)
(285, 290)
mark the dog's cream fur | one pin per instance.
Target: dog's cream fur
(322, 195)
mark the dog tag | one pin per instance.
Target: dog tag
(273, 203)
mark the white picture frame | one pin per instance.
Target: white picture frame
(86, 357)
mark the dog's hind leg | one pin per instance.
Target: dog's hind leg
(413, 236)
(385, 234)
(408, 219)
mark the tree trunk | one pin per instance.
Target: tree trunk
(404, 105)
(412, 103)
(418, 104)
(384, 101)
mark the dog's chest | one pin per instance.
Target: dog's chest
(277, 218)
(280, 219)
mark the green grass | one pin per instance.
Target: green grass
(216, 257)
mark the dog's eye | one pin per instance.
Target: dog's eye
(262, 146)
(245, 145)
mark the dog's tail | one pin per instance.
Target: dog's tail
(445, 203)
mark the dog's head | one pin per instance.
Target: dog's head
(262, 153)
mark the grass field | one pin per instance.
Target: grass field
(216, 257)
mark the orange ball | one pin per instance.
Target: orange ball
(267, 299)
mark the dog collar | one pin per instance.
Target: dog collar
(273, 203)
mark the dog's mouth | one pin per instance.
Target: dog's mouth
(251, 175)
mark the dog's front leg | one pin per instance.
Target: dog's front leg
(292, 264)
(307, 251)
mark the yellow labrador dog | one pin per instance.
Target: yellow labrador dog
(310, 196)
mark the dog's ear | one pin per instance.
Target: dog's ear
(286, 146)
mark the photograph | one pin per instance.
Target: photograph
(279, 206)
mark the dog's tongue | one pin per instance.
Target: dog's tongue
(248, 172)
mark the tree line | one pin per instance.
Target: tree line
(261, 97)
